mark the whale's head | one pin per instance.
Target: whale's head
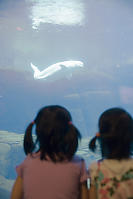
(79, 64)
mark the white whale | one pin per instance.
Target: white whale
(64, 68)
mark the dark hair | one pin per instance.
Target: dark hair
(116, 134)
(57, 137)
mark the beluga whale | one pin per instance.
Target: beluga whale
(58, 70)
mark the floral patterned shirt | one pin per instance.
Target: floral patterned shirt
(112, 178)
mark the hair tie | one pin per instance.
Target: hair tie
(98, 135)
(70, 122)
(33, 122)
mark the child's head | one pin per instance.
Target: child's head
(57, 137)
(115, 134)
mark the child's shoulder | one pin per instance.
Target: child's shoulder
(128, 161)
(77, 158)
(112, 165)
(31, 157)
(36, 156)
(95, 164)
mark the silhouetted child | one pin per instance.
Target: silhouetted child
(112, 177)
(52, 171)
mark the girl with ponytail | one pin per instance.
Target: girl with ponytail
(112, 176)
(51, 169)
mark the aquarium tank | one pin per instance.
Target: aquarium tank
(74, 53)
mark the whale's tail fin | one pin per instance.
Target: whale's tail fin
(35, 69)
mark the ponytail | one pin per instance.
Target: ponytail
(71, 140)
(28, 143)
(92, 144)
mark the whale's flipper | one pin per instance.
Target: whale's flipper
(35, 69)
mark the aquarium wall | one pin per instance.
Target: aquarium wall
(74, 53)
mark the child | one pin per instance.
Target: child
(51, 169)
(112, 177)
